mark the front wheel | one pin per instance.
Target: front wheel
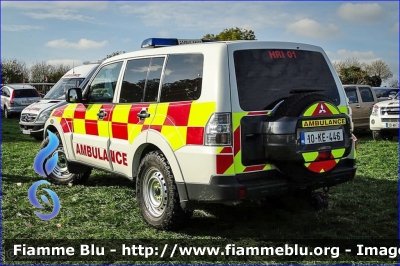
(379, 135)
(60, 174)
(157, 193)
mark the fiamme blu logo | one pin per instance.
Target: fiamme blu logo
(45, 162)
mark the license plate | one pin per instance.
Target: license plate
(26, 131)
(315, 137)
(392, 125)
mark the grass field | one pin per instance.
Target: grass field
(106, 208)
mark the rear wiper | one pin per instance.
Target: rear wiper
(303, 91)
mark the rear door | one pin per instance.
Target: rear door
(355, 102)
(265, 77)
(135, 109)
(362, 107)
(25, 97)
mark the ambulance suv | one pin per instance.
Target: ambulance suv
(384, 119)
(35, 115)
(208, 122)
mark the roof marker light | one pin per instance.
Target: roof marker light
(162, 42)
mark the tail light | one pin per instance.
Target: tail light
(355, 141)
(12, 98)
(218, 130)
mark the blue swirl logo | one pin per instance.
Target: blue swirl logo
(32, 198)
(42, 164)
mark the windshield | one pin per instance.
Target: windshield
(265, 77)
(60, 88)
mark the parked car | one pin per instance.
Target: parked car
(35, 115)
(384, 119)
(15, 97)
(361, 99)
(385, 93)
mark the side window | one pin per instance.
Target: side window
(366, 94)
(182, 78)
(132, 89)
(153, 79)
(6, 92)
(103, 85)
(352, 96)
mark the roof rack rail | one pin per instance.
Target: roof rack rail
(162, 42)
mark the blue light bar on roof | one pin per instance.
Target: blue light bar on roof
(161, 42)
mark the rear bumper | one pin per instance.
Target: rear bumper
(16, 109)
(223, 188)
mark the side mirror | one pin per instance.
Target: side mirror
(74, 95)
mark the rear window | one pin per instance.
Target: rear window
(265, 77)
(25, 93)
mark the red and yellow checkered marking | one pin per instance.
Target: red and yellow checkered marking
(181, 123)
(229, 159)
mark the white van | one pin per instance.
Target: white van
(35, 115)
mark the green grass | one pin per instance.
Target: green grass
(106, 208)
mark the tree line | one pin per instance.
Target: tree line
(350, 71)
(16, 71)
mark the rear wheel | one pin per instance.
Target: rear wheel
(157, 193)
(7, 113)
(60, 174)
(295, 105)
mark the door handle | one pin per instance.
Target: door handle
(358, 106)
(143, 114)
(101, 114)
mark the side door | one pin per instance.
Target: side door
(91, 120)
(355, 105)
(135, 109)
(367, 102)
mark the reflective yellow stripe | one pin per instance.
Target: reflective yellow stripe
(102, 127)
(121, 113)
(69, 111)
(338, 153)
(162, 110)
(176, 136)
(91, 111)
(343, 109)
(200, 112)
(152, 111)
(310, 110)
(230, 170)
(239, 167)
(310, 156)
(133, 131)
(79, 126)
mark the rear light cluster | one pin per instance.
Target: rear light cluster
(355, 141)
(218, 130)
(12, 98)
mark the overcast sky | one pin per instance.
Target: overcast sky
(83, 31)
